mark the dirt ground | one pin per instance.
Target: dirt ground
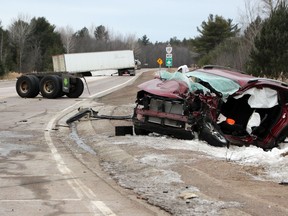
(182, 182)
(10, 76)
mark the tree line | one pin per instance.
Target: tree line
(260, 47)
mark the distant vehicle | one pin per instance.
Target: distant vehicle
(220, 105)
(69, 68)
(137, 64)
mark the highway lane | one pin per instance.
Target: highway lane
(38, 175)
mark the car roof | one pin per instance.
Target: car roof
(241, 78)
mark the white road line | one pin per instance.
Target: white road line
(38, 200)
(76, 184)
(103, 208)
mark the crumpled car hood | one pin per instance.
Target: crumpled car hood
(167, 88)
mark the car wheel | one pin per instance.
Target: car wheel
(211, 133)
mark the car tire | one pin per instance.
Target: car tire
(50, 86)
(27, 86)
(211, 133)
(76, 89)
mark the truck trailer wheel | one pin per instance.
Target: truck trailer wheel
(27, 86)
(61, 93)
(50, 86)
(76, 88)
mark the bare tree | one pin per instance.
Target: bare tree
(131, 41)
(253, 10)
(68, 38)
(270, 5)
(19, 32)
(250, 22)
(35, 59)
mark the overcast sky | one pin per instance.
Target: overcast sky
(160, 20)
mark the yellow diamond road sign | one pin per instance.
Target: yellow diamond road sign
(159, 61)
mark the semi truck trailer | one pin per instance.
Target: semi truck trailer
(68, 69)
(122, 61)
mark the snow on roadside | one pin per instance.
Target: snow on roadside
(274, 162)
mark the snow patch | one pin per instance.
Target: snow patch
(274, 162)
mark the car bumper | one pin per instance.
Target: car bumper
(180, 133)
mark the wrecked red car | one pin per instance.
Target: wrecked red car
(215, 104)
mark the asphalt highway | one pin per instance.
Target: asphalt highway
(38, 174)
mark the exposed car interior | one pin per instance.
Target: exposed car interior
(240, 111)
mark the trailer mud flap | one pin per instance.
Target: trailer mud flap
(65, 83)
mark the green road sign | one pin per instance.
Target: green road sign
(169, 62)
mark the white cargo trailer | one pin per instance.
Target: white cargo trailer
(121, 61)
(68, 70)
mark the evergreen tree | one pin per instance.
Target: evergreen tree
(6, 61)
(213, 32)
(269, 57)
(84, 32)
(101, 34)
(47, 42)
(84, 42)
(102, 38)
(144, 40)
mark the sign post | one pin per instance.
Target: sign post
(160, 62)
(169, 58)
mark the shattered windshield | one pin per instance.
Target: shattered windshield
(221, 84)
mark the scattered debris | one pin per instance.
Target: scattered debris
(90, 113)
(188, 195)
(283, 183)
